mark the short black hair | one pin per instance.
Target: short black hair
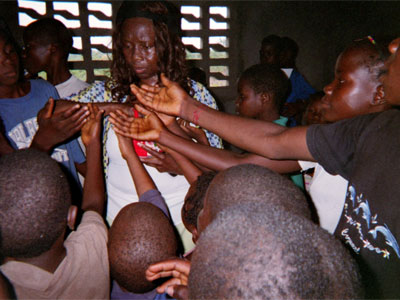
(273, 40)
(48, 31)
(252, 183)
(268, 79)
(34, 203)
(140, 235)
(259, 251)
(290, 45)
(194, 203)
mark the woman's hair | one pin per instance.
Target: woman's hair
(170, 49)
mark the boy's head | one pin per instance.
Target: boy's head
(250, 183)
(356, 89)
(34, 203)
(44, 38)
(261, 87)
(270, 50)
(10, 72)
(289, 52)
(259, 251)
(140, 235)
(391, 78)
(194, 202)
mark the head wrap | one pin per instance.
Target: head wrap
(133, 9)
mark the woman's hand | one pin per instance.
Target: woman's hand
(147, 128)
(194, 132)
(163, 162)
(168, 99)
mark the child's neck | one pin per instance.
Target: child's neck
(50, 260)
(58, 73)
(17, 90)
(269, 116)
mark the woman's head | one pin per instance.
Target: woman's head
(356, 89)
(146, 42)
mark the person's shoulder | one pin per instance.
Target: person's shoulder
(92, 226)
(41, 83)
(43, 87)
(202, 94)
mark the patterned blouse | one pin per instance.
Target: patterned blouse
(101, 92)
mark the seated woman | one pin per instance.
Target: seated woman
(146, 42)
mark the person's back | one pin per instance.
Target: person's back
(258, 251)
(35, 208)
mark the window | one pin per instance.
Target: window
(206, 28)
(93, 53)
(207, 40)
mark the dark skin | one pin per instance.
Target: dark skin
(93, 192)
(56, 124)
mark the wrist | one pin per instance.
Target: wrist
(37, 143)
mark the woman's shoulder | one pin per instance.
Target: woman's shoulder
(202, 94)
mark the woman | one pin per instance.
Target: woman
(146, 42)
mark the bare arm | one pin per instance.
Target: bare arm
(264, 138)
(151, 127)
(93, 190)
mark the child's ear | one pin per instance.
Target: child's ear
(379, 96)
(265, 97)
(53, 47)
(71, 218)
(195, 235)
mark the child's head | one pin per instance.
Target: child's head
(356, 88)
(262, 251)
(43, 38)
(270, 50)
(10, 72)
(314, 111)
(289, 51)
(140, 235)
(194, 202)
(250, 183)
(34, 203)
(261, 88)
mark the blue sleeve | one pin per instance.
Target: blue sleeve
(301, 89)
(154, 197)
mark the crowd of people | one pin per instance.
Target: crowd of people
(306, 210)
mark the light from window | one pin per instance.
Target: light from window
(68, 23)
(191, 10)
(219, 10)
(101, 40)
(214, 82)
(193, 55)
(224, 70)
(105, 8)
(218, 25)
(38, 6)
(99, 56)
(96, 23)
(77, 42)
(186, 25)
(24, 19)
(81, 74)
(71, 7)
(219, 40)
(194, 41)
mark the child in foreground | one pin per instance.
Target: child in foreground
(35, 208)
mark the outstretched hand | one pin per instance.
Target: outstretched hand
(58, 123)
(147, 128)
(194, 132)
(91, 130)
(168, 99)
(179, 269)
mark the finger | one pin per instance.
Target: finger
(142, 110)
(49, 108)
(152, 151)
(151, 161)
(124, 133)
(73, 109)
(165, 81)
(180, 292)
(178, 264)
(171, 282)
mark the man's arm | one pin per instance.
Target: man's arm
(264, 138)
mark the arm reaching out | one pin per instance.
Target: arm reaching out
(260, 137)
(93, 190)
(56, 124)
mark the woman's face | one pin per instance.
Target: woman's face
(139, 49)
